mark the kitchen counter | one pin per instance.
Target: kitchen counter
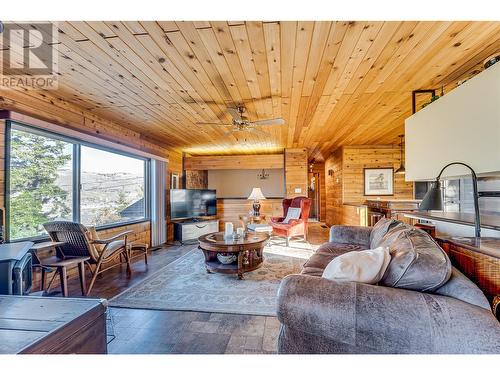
(484, 245)
(487, 221)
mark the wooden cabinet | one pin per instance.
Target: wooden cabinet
(391, 208)
(49, 325)
(478, 259)
(191, 230)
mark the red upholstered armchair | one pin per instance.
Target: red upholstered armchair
(296, 227)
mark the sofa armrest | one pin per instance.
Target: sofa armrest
(381, 319)
(350, 234)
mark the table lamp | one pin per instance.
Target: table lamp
(256, 195)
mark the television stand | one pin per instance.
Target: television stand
(189, 230)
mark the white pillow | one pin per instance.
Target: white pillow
(366, 266)
(292, 214)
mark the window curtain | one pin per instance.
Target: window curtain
(158, 203)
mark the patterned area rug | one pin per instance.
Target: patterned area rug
(184, 284)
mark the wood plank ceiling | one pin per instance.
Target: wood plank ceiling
(335, 83)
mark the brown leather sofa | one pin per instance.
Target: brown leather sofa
(318, 315)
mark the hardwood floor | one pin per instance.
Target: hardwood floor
(154, 332)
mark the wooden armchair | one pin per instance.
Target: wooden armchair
(80, 241)
(293, 228)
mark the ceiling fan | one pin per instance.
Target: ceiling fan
(240, 123)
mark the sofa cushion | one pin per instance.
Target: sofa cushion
(380, 229)
(418, 262)
(460, 287)
(393, 234)
(364, 266)
(293, 213)
(317, 263)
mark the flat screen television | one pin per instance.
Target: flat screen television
(192, 203)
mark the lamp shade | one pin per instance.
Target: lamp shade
(256, 194)
(433, 199)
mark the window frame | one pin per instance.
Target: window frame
(76, 177)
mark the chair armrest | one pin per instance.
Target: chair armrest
(293, 222)
(114, 238)
(382, 319)
(350, 234)
(282, 226)
(277, 219)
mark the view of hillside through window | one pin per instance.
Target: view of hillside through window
(112, 186)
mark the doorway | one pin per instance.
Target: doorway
(313, 195)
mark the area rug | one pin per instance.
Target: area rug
(184, 284)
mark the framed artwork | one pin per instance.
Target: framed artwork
(174, 183)
(379, 181)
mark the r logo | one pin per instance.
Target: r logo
(27, 49)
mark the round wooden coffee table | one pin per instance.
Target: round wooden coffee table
(247, 249)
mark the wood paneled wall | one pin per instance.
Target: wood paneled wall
(294, 161)
(346, 186)
(71, 116)
(355, 158)
(142, 232)
(296, 172)
(267, 161)
(228, 210)
(353, 215)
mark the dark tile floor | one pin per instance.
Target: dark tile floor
(151, 331)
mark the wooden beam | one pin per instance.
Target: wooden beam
(234, 162)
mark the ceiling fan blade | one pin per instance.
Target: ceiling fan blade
(213, 123)
(235, 114)
(274, 121)
(257, 131)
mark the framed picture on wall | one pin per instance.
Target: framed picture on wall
(379, 181)
(174, 183)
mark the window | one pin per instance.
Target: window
(112, 187)
(56, 178)
(40, 182)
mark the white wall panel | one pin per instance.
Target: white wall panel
(463, 125)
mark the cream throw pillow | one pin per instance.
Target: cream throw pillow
(366, 266)
(293, 213)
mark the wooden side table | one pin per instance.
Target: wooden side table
(61, 266)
